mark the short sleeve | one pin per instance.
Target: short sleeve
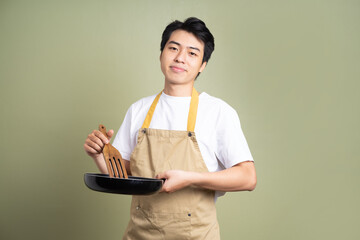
(232, 147)
(124, 140)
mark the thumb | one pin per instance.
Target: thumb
(110, 133)
(161, 176)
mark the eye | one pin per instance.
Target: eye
(193, 54)
(173, 48)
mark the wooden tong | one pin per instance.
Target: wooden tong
(114, 162)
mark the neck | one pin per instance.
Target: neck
(178, 90)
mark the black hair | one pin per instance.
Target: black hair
(195, 26)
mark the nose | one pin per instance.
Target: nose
(180, 57)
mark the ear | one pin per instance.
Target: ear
(203, 65)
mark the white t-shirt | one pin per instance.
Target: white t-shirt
(218, 131)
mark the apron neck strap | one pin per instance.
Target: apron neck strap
(192, 111)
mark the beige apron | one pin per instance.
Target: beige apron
(188, 213)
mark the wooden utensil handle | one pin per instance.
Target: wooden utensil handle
(102, 129)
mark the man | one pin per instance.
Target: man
(192, 140)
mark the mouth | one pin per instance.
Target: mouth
(177, 69)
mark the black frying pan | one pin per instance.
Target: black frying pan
(129, 186)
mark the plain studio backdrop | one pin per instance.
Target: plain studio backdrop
(291, 70)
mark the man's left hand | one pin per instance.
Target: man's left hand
(175, 180)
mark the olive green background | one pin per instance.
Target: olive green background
(291, 69)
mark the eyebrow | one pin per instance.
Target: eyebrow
(176, 43)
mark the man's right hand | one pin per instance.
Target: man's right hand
(95, 142)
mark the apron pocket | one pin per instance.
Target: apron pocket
(141, 226)
(174, 226)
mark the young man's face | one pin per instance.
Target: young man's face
(181, 58)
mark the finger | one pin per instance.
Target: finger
(93, 145)
(101, 136)
(96, 140)
(166, 187)
(110, 133)
(89, 149)
(163, 187)
(161, 176)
